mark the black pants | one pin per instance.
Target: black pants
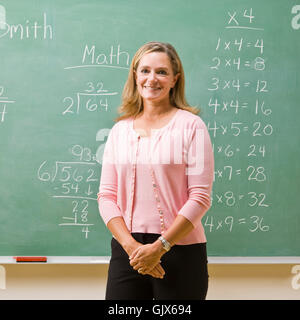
(186, 275)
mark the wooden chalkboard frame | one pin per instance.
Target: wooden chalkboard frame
(211, 260)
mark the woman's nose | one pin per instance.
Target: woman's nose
(152, 76)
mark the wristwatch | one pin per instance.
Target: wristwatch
(166, 244)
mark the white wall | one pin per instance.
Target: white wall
(88, 282)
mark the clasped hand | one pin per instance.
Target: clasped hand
(146, 260)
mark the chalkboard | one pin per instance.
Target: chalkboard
(63, 66)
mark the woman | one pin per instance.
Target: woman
(156, 180)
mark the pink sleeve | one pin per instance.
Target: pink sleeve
(107, 196)
(200, 171)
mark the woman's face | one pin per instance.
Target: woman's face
(154, 77)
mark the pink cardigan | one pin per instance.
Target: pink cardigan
(181, 157)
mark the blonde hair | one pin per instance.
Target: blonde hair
(132, 103)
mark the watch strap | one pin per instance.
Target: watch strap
(166, 244)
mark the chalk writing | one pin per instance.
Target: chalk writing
(82, 153)
(115, 58)
(79, 218)
(75, 181)
(252, 224)
(71, 179)
(239, 88)
(25, 30)
(251, 173)
(236, 129)
(246, 17)
(4, 102)
(238, 85)
(231, 199)
(93, 98)
(230, 151)
(237, 64)
(239, 44)
(237, 105)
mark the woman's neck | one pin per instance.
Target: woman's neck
(152, 111)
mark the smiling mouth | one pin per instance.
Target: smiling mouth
(153, 88)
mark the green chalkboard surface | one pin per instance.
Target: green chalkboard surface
(62, 69)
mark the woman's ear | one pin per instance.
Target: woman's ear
(175, 79)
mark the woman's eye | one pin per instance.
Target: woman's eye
(162, 72)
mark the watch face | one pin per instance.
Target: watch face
(165, 243)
